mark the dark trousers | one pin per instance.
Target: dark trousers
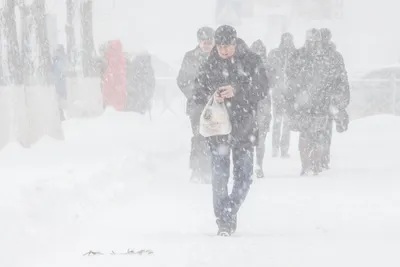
(326, 157)
(200, 156)
(260, 149)
(263, 120)
(280, 133)
(311, 146)
(227, 205)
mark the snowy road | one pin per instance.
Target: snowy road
(120, 181)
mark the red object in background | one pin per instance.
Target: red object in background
(114, 78)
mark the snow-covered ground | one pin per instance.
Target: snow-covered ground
(121, 181)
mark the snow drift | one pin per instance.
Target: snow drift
(121, 181)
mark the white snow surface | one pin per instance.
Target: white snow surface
(121, 181)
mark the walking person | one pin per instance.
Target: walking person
(200, 159)
(263, 112)
(141, 83)
(235, 76)
(311, 76)
(339, 96)
(278, 59)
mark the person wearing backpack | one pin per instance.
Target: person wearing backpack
(236, 77)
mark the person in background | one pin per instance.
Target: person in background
(339, 95)
(263, 112)
(235, 76)
(60, 71)
(312, 76)
(114, 76)
(200, 161)
(278, 59)
(141, 83)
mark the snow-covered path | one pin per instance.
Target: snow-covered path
(120, 181)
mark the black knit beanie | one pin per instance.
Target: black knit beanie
(225, 35)
(205, 34)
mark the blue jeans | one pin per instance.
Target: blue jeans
(227, 205)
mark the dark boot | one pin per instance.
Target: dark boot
(224, 228)
(259, 172)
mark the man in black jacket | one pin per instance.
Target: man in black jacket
(236, 76)
(200, 161)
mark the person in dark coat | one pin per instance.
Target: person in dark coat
(340, 95)
(236, 76)
(200, 158)
(263, 112)
(141, 83)
(311, 75)
(278, 59)
(60, 71)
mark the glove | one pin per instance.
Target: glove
(342, 121)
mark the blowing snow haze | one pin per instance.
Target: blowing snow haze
(132, 144)
(366, 34)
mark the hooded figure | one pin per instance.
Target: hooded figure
(263, 112)
(279, 60)
(235, 76)
(200, 159)
(141, 83)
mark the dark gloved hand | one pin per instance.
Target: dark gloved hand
(342, 121)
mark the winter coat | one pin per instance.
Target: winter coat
(278, 59)
(264, 106)
(141, 83)
(114, 76)
(340, 94)
(259, 48)
(312, 79)
(246, 73)
(187, 75)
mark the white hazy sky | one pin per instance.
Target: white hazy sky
(159, 25)
(368, 35)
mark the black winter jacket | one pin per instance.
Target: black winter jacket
(187, 75)
(246, 73)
